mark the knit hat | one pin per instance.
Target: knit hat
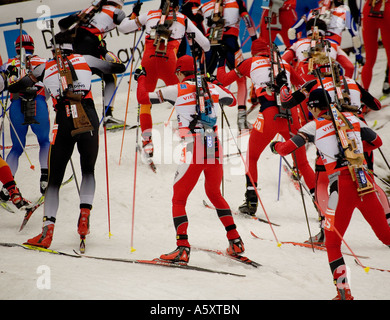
(318, 100)
(27, 43)
(185, 63)
(260, 47)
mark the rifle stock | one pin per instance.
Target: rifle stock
(347, 146)
(81, 121)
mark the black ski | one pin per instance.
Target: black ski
(163, 263)
(246, 215)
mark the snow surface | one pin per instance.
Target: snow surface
(288, 272)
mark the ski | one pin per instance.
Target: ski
(5, 206)
(119, 127)
(235, 257)
(251, 108)
(32, 208)
(29, 212)
(233, 154)
(372, 268)
(35, 248)
(163, 263)
(243, 133)
(306, 245)
(151, 165)
(242, 215)
(147, 160)
(292, 177)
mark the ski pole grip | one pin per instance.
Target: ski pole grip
(50, 23)
(19, 20)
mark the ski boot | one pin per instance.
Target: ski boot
(147, 152)
(181, 255)
(109, 121)
(343, 294)
(236, 246)
(242, 121)
(44, 239)
(16, 197)
(318, 239)
(43, 182)
(386, 86)
(83, 222)
(4, 195)
(147, 148)
(249, 207)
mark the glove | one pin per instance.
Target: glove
(285, 95)
(140, 71)
(12, 71)
(292, 33)
(12, 80)
(273, 146)
(309, 85)
(281, 79)
(137, 8)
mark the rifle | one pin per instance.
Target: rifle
(161, 32)
(28, 104)
(276, 68)
(81, 121)
(348, 149)
(316, 53)
(273, 11)
(204, 103)
(216, 24)
(85, 16)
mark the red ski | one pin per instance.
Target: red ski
(236, 257)
(305, 245)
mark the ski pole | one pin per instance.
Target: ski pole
(381, 179)
(135, 180)
(122, 75)
(250, 177)
(128, 98)
(384, 158)
(280, 175)
(75, 177)
(323, 213)
(4, 108)
(32, 167)
(300, 189)
(106, 162)
(169, 118)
